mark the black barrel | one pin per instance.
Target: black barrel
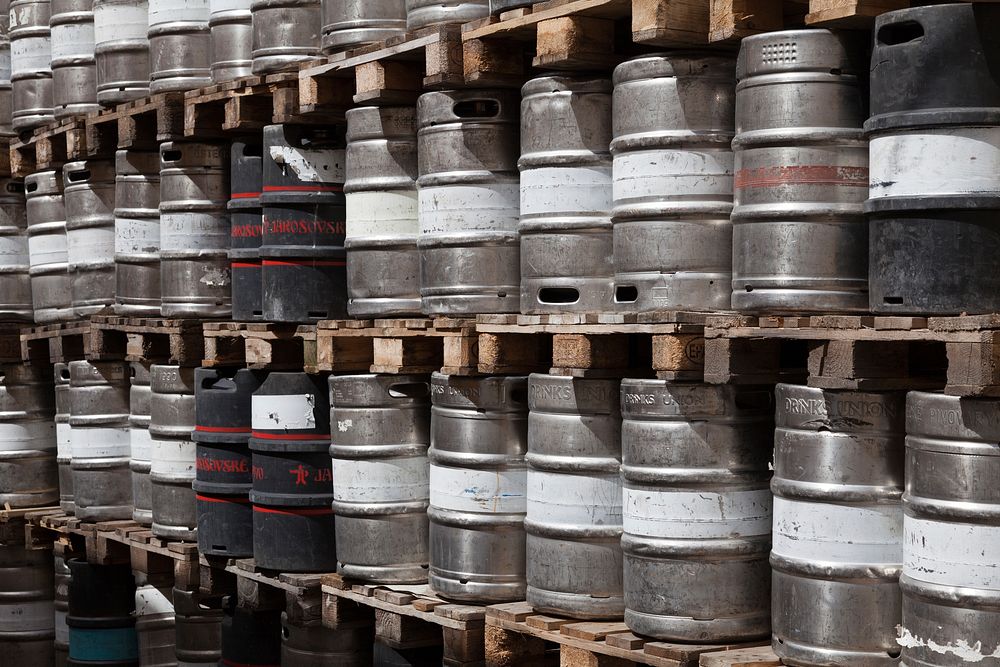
(386, 656)
(246, 228)
(101, 622)
(223, 466)
(198, 629)
(293, 526)
(251, 638)
(304, 267)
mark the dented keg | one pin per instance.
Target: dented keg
(137, 232)
(574, 497)
(565, 228)
(246, 228)
(951, 526)
(380, 463)
(15, 281)
(348, 24)
(223, 467)
(838, 526)
(29, 476)
(800, 240)
(121, 49)
(30, 70)
(61, 604)
(383, 267)
(194, 230)
(154, 624)
(99, 435)
(292, 475)
(47, 252)
(140, 442)
(63, 441)
(423, 13)
(314, 645)
(478, 479)
(231, 33)
(27, 609)
(89, 197)
(284, 32)
(303, 265)
(172, 419)
(101, 615)
(469, 201)
(180, 45)
(74, 71)
(673, 181)
(197, 630)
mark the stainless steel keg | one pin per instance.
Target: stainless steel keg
(15, 281)
(285, 32)
(574, 508)
(140, 443)
(27, 609)
(422, 13)
(838, 526)
(697, 510)
(6, 95)
(194, 230)
(478, 477)
(63, 443)
(172, 460)
(800, 240)
(673, 181)
(61, 604)
(180, 45)
(121, 50)
(137, 232)
(47, 254)
(468, 198)
(348, 24)
(229, 23)
(565, 227)
(89, 198)
(30, 69)
(154, 624)
(74, 70)
(383, 267)
(28, 472)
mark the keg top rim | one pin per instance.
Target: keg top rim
(803, 50)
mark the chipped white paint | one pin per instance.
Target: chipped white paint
(288, 412)
(472, 207)
(566, 192)
(311, 166)
(498, 490)
(962, 649)
(215, 277)
(120, 20)
(952, 553)
(141, 444)
(345, 425)
(838, 533)
(696, 514)
(172, 458)
(588, 499)
(658, 177)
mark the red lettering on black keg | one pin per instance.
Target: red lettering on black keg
(323, 475)
(249, 231)
(258, 472)
(304, 227)
(301, 474)
(221, 465)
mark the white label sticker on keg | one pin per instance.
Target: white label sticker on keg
(311, 166)
(293, 412)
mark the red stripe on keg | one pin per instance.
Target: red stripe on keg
(762, 177)
(313, 511)
(245, 265)
(211, 499)
(230, 663)
(305, 262)
(303, 188)
(222, 429)
(244, 195)
(290, 436)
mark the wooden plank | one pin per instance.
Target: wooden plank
(524, 27)
(746, 657)
(592, 631)
(670, 22)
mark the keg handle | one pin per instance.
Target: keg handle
(77, 176)
(408, 389)
(485, 107)
(221, 383)
(903, 32)
(172, 155)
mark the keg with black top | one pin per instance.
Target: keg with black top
(304, 267)
(293, 523)
(246, 228)
(223, 467)
(250, 637)
(27, 610)
(137, 233)
(89, 197)
(101, 621)
(15, 280)
(29, 474)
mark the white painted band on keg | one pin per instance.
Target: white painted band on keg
(14, 249)
(174, 11)
(382, 213)
(827, 532)
(290, 412)
(497, 491)
(172, 457)
(563, 498)
(381, 480)
(311, 166)
(99, 442)
(28, 616)
(62, 630)
(73, 39)
(47, 248)
(952, 553)
(151, 601)
(63, 440)
(458, 208)
(219, 6)
(90, 245)
(194, 231)
(935, 161)
(30, 55)
(36, 435)
(555, 191)
(137, 235)
(5, 62)
(663, 174)
(140, 444)
(120, 21)
(696, 514)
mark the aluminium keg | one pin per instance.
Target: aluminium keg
(140, 442)
(285, 32)
(499, 6)
(673, 181)
(468, 201)
(951, 528)
(29, 475)
(194, 230)
(137, 233)
(27, 609)
(74, 70)
(180, 45)
(197, 630)
(121, 49)
(246, 228)
(6, 95)
(800, 240)
(574, 497)
(223, 467)
(99, 440)
(293, 524)
(47, 253)
(381, 434)
(61, 571)
(565, 164)
(172, 419)
(101, 615)
(63, 441)
(697, 510)
(231, 32)
(383, 267)
(838, 526)
(154, 624)
(30, 70)
(314, 645)
(303, 266)
(15, 281)
(89, 197)
(349, 24)
(478, 478)
(423, 13)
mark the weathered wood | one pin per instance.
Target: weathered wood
(736, 19)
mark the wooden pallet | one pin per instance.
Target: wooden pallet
(741, 657)
(732, 20)
(140, 124)
(148, 339)
(47, 147)
(516, 635)
(260, 345)
(56, 343)
(242, 106)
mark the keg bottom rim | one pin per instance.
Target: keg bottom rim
(746, 627)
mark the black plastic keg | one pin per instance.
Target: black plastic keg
(101, 622)
(251, 638)
(246, 228)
